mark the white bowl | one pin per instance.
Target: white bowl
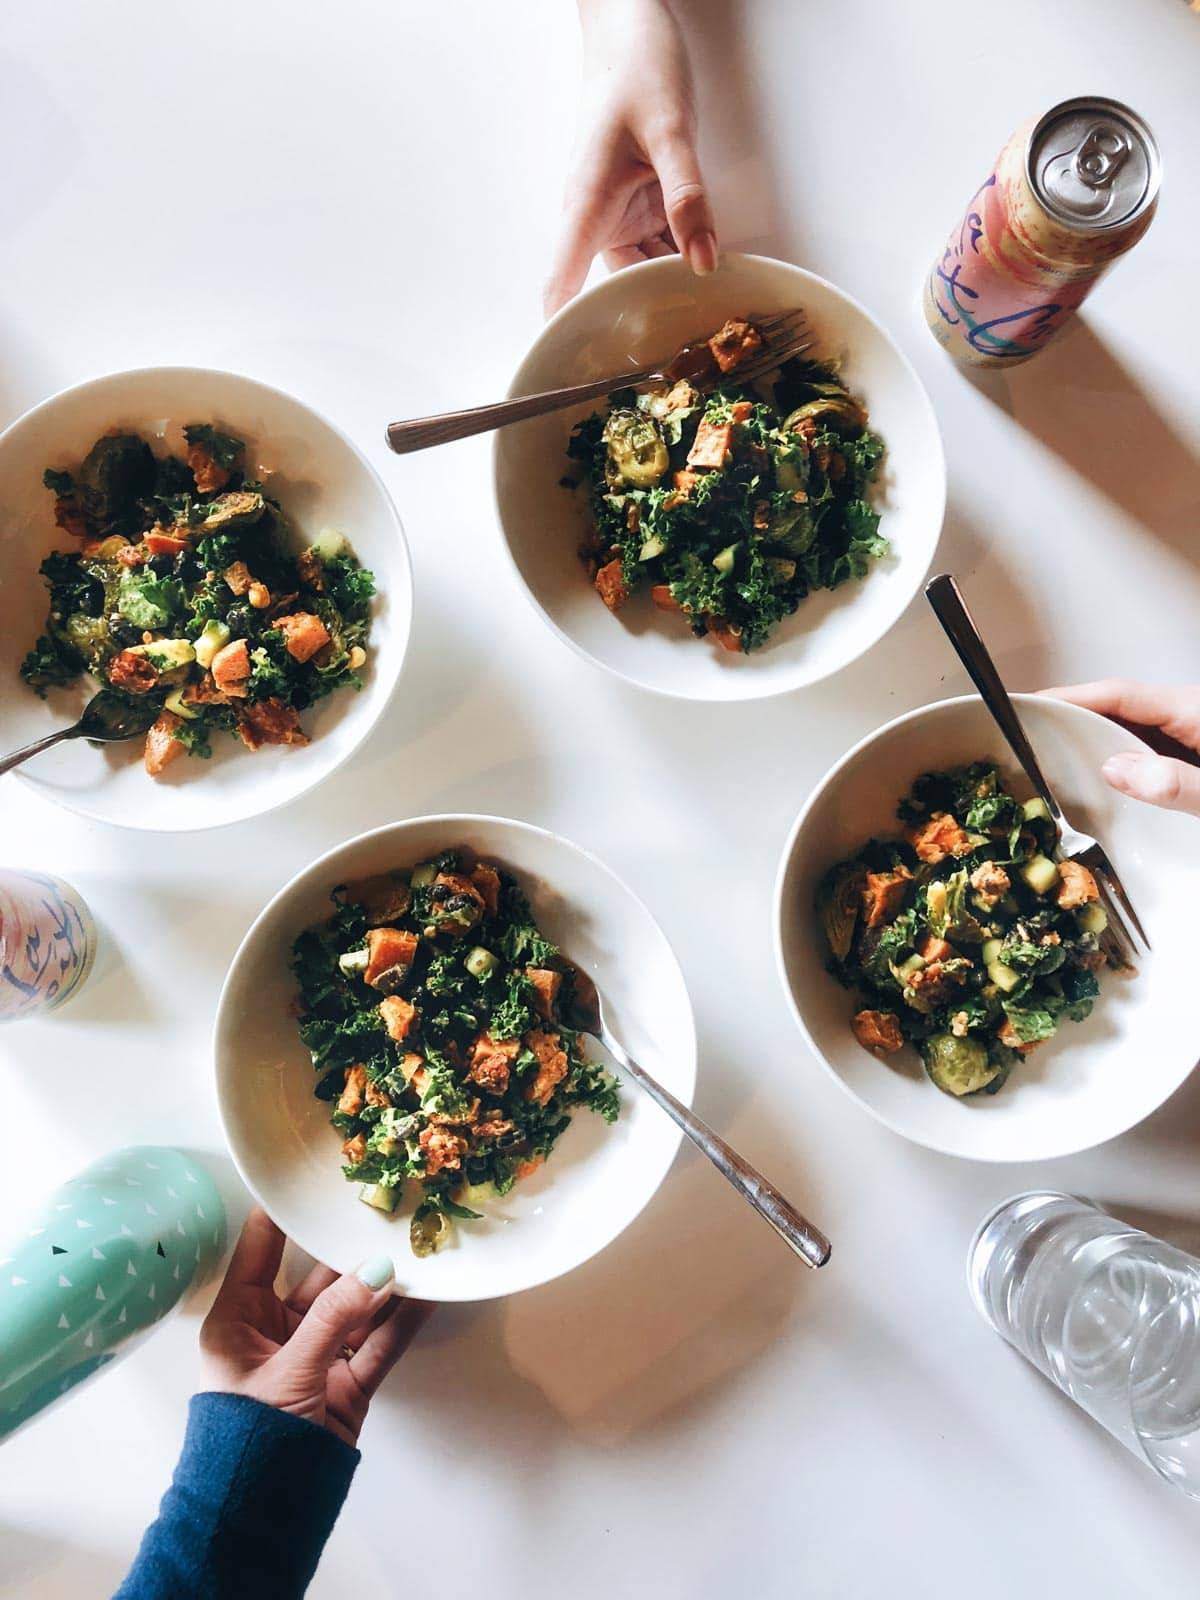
(322, 480)
(1095, 1079)
(597, 1178)
(645, 314)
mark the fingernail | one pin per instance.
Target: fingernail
(1119, 770)
(378, 1272)
(702, 254)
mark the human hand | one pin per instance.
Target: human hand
(635, 189)
(1159, 779)
(321, 1353)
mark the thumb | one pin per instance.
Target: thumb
(685, 200)
(1156, 779)
(337, 1311)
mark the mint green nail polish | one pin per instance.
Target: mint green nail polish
(378, 1272)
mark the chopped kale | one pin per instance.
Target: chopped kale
(465, 1076)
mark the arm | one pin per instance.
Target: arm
(636, 189)
(269, 1454)
(252, 1502)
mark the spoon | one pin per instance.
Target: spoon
(809, 1243)
(107, 718)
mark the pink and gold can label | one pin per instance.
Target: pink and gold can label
(47, 943)
(1070, 193)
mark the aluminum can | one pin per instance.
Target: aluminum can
(47, 943)
(1069, 194)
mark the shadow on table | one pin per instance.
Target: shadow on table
(694, 1291)
(1085, 405)
(921, 666)
(1176, 1123)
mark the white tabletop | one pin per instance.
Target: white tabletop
(357, 203)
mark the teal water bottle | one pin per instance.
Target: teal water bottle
(103, 1260)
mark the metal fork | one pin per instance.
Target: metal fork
(586, 1012)
(784, 337)
(951, 611)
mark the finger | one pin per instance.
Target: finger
(624, 255)
(259, 1251)
(590, 219)
(344, 1305)
(1175, 710)
(309, 1287)
(384, 1346)
(685, 198)
(1156, 779)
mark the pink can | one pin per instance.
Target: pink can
(47, 943)
(1070, 194)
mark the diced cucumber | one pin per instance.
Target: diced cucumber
(480, 962)
(1005, 978)
(330, 544)
(422, 876)
(379, 1195)
(905, 969)
(990, 950)
(724, 559)
(1092, 918)
(166, 654)
(214, 636)
(1036, 810)
(473, 1195)
(958, 1066)
(354, 963)
(176, 703)
(654, 546)
(1041, 874)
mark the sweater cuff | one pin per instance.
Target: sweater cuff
(278, 1466)
(265, 1488)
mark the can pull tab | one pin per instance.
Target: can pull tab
(1082, 179)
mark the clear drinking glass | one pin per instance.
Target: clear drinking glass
(1108, 1313)
(47, 943)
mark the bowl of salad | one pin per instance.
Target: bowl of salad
(398, 1068)
(222, 566)
(949, 971)
(719, 537)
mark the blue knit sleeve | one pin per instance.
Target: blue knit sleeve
(253, 1500)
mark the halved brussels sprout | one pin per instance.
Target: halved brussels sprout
(637, 451)
(89, 635)
(428, 1231)
(116, 471)
(839, 902)
(233, 510)
(835, 409)
(958, 1066)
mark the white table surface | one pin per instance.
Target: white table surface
(358, 202)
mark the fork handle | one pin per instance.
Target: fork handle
(38, 745)
(421, 432)
(951, 611)
(808, 1242)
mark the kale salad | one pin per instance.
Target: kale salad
(437, 1017)
(964, 938)
(729, 502)
(182, 597)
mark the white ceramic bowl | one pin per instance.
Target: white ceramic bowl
(322, 480)
(597, 1178)
(645, 314)
(1095, 1079)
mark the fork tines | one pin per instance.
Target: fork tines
(785, 336)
